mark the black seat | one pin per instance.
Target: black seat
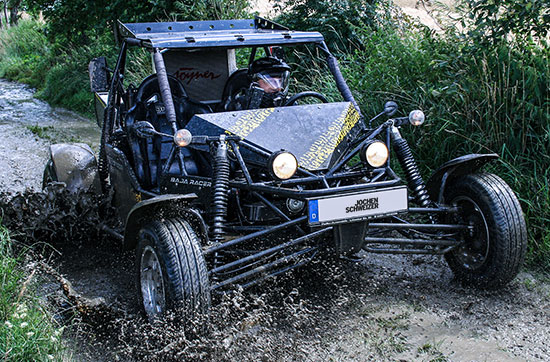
(151, 155)
(237, 82)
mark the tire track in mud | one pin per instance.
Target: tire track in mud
(384, 308)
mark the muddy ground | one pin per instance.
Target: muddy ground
(383, 308)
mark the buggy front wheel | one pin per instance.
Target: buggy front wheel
(494, 248)
(171, 269)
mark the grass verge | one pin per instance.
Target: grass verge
(27, 331)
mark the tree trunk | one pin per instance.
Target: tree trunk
(6, 21)
(14, 12)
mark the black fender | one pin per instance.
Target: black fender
(454, 168)
(162, 207)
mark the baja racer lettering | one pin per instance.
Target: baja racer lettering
(190, 181)
(363, 204)
(322, 149)
(190, 74)
(248, 121)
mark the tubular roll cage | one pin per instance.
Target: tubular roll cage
(255, 33)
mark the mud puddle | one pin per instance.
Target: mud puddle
(384, 308)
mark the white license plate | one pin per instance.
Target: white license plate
(357, 206)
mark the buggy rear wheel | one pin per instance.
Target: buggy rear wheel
(494, 249)
(171, 269)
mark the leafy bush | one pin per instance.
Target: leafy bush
(491, 22)
(336, 20)
(24, 53)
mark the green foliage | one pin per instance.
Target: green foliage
(210, 9)
(27, 332)
(494, 21)
(495, 100)
(334, 19)
(97, 18)
(24, 53)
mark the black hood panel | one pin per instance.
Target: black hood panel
(313, 133)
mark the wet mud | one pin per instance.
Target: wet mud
(382, 308)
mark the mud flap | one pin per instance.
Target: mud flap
(76, 166)
(349, 238)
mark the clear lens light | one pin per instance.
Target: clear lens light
(377, 154)
(182, 137)
(284, 165)
(416, 117)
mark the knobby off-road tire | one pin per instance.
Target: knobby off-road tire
(494, 252)
(171, 269)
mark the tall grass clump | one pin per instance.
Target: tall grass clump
(27, 331)
(25, 54)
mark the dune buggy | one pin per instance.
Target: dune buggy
(212, 198)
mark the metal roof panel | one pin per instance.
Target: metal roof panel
(219, 33)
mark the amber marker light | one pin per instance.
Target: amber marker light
(183, 137)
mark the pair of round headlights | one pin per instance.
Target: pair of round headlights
(283, 165)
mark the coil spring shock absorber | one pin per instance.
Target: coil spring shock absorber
(406, 159)
(220, 189)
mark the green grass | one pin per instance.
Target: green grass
(431, 352)
(44, 132)
(27, 331)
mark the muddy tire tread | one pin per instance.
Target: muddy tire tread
(508, 235)
(184, 270)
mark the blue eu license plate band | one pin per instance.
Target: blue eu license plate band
(313, 211)
(357, 206)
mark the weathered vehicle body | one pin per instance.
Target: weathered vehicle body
(212, 198)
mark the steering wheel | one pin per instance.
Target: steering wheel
(150, 86)
(301, 95)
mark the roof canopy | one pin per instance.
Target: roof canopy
(217, 33)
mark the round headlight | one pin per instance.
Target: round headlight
(416, 118)
(375, 153)
(283, 165)
(183, 137)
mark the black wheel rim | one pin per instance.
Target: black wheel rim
(152, 284)
(473, 253)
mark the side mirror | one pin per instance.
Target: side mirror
(99, 75)
(144, 129)
(390, 108)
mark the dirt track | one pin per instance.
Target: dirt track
(384, 308)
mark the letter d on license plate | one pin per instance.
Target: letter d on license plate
(351, 207)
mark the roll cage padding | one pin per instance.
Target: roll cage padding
(341, 84)
(164, 87)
